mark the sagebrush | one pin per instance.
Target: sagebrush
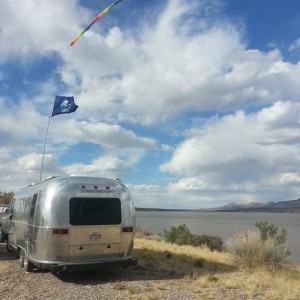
(181, 235)
(266, 248)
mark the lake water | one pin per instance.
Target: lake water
(223, 224)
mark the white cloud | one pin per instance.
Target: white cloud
(116, 75)
(26, 169)
(295, 45)
(20, 123)
(31, 163)
(104, 166)
(110, 136)
(147, 195)
(30, 28)
(4, 153)
(138, 79)
(166, 148)
(241, 154)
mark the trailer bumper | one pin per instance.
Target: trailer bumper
(90, 265)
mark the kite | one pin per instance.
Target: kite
(94, 21)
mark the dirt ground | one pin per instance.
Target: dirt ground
(117, 283)
(149, 280)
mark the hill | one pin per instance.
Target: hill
(292, 206)
(281, 206)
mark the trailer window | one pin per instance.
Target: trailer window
(95, 211)
(33, 205)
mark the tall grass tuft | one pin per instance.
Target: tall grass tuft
(251, 251)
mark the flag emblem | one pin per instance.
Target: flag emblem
(63, 105)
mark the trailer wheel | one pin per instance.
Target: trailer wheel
(28, 265)
(2, 235)
(22, 258)
(9, 247)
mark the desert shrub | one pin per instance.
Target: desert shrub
(271, 231)
(212, 242)
(177, 235)
(264, 249)
(181, 235)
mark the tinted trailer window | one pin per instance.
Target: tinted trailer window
(95, 211)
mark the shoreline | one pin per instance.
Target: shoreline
(266, 210)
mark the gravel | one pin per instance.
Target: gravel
(109, 283)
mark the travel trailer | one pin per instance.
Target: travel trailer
(72, 223)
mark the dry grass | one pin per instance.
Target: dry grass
(265, 284)
(251, 251)
(180, 260)
(164, 271)
(215, 277)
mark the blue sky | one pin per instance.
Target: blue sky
(192, 103)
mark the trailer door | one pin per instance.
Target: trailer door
(95, 228)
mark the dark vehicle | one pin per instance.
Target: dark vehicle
(4, 215)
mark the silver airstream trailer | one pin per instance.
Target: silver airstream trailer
(72, 223)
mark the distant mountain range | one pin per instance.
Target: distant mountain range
(281, 206)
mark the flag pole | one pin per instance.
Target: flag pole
(50, 115)
(44, 148)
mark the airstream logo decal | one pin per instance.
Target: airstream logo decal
(96, 191)
(95, 236)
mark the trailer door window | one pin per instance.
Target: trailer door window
(95, 211)
(33, 205)
(30, 207)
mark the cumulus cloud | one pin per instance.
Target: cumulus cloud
(103, 166)
(295, 45)
(34, 28)
(31, 163)
(22, 127)
(149, 195)
(166, 148)
(240, 153)
(209, 68)
(112, 137)
(17, 172)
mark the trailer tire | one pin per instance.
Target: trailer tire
(28, 265)
(9, 247)
(22, 258)
(2, 235)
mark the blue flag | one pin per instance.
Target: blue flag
(63, 105)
